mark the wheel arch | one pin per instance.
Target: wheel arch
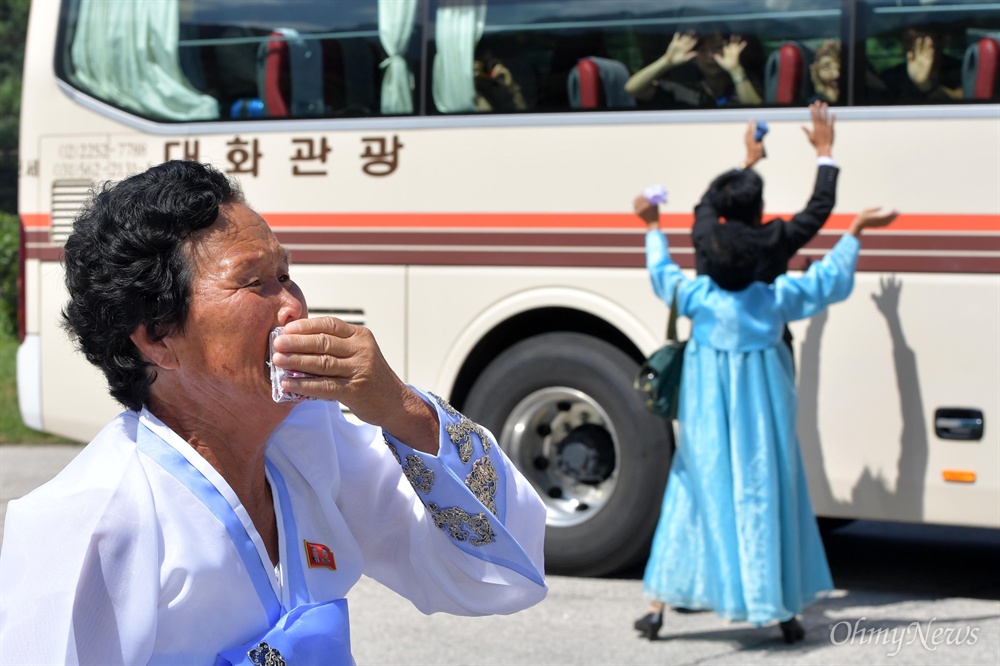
(533, 313)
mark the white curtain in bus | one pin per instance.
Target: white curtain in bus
(458, 26)
(126, 53)
(395, 26)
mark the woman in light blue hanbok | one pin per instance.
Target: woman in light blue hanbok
(737, 534)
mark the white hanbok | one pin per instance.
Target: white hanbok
(140, 552)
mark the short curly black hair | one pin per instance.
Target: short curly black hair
(125, 266)
(730, 256)
(738, 195)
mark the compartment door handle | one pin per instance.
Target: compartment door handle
(958, 423)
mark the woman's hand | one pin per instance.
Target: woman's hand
(680, 50)
(729, 60)
(647, 212)
(871, 218)
(348, 367)
(920, 62)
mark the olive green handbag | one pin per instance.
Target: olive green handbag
(659, 378)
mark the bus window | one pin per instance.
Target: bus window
(937, 52)
(185, 60)
(604, 54)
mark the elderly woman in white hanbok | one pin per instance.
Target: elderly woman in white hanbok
(209, 523)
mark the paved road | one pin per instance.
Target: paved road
(906, 595)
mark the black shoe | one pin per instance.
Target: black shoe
(649, 625)
(686, 611)
(792, 631)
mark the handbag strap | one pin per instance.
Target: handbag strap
(672, 319)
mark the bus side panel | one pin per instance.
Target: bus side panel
(872, 372)
(438, 345)
(373, 296)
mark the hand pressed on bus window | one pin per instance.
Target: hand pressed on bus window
(709, 73)
(729, 60)
(922, 66)
(919, 62)
(680, 49)
(928, 73)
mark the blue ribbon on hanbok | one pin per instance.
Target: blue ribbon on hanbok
(310, 633)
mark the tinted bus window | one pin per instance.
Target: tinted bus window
(548, 55)
(183, 60)
(938, 52)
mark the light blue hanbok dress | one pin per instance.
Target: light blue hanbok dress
(737, 534)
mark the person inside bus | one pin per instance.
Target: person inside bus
(736, 532)
(214, 521)
(928, 74)
(704, 70)
(824, 73)
(496, 89)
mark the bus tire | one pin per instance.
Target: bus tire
(563, 408)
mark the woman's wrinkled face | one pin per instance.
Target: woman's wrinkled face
(240, 290)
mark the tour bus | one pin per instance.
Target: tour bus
(458, 175)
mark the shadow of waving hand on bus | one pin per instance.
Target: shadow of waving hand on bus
(905, 501)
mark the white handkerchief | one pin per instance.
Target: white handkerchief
(655, 194)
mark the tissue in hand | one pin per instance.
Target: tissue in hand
(655, 194)
(279, 394)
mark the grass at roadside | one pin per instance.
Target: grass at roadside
(12, 430)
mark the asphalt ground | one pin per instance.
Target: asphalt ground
(906, 594)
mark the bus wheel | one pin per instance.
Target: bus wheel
(564, 410)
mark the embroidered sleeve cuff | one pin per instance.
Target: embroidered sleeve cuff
(464, 488)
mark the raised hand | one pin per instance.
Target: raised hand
(647, 212)
(755, 148)
(347, 365)
(680, 50)
(821, 135)
(729, 59)
(920, 62)
(872, 218)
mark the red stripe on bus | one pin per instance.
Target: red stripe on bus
(32, 220)
(840, 221)
(583, 259)
(944, 222)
